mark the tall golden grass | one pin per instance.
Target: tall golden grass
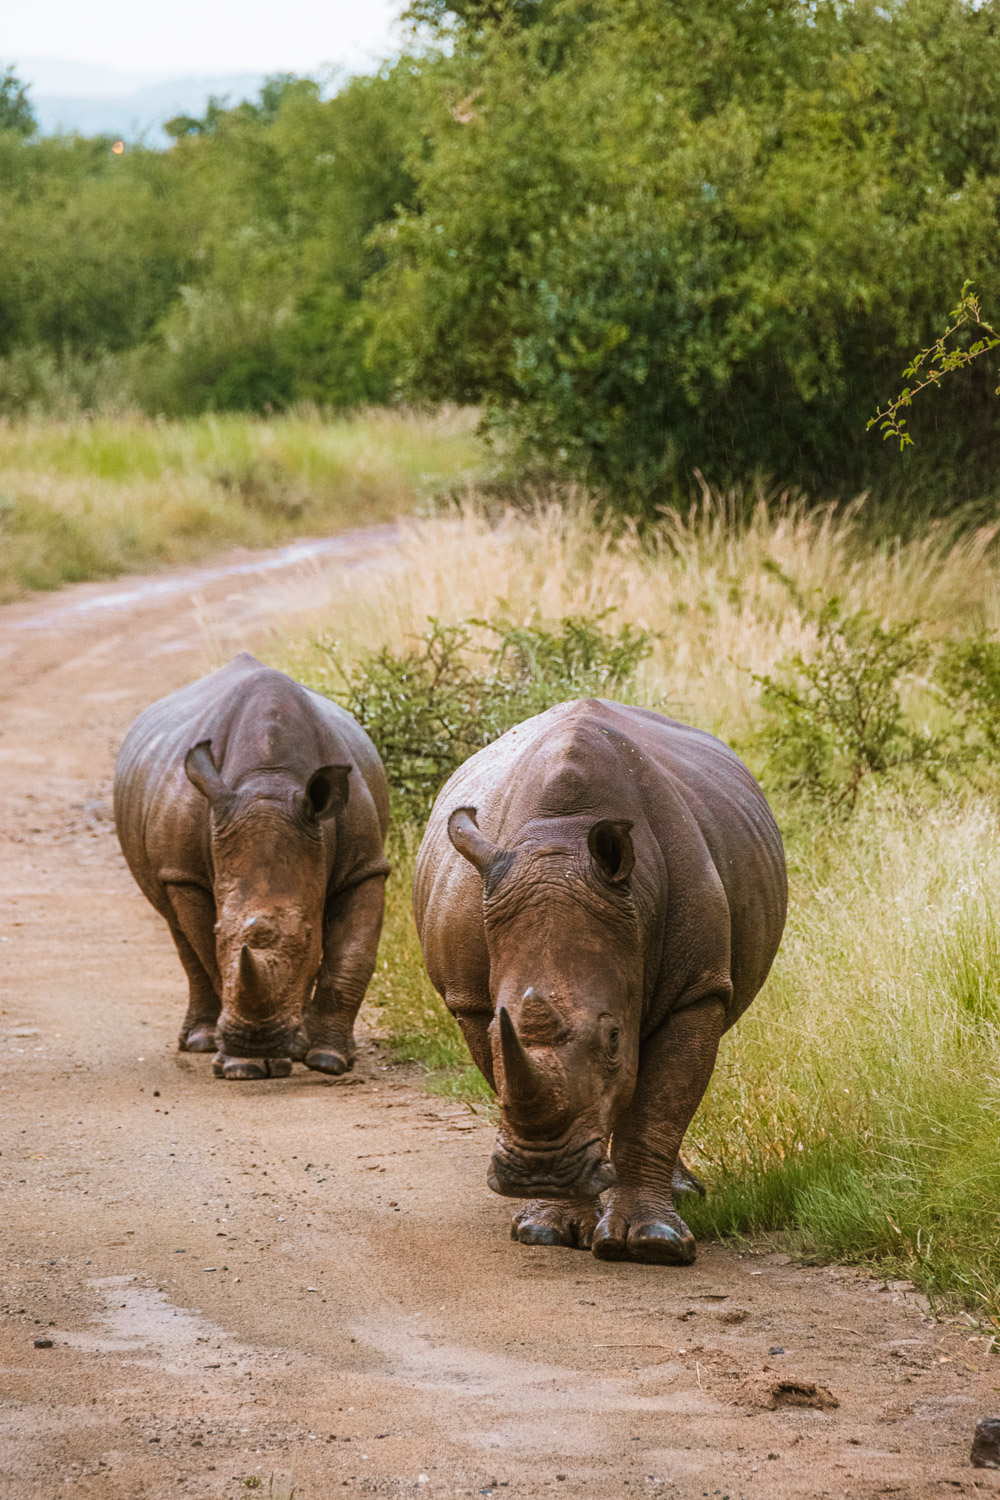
(727, 590)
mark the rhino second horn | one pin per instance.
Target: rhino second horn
(520, 1075)
(540, 1019)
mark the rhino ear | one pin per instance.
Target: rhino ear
(488, 858)
(327, 791)
(610, 846)
(201, 771)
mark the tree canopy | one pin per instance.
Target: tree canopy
(645, 236)
(16, 113)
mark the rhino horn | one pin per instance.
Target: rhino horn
(253, 981)
(523, 1083)
(539, 1019)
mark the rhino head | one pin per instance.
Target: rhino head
(269, 883)
(566, 980)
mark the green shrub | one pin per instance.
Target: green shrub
(836, 719)
(968, 674)
(430, 708)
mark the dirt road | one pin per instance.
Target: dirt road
(306, 1281)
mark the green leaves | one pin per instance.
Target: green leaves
(836, 718)
(937, 361)
(16, 113)
(427, 710)
(670, 237)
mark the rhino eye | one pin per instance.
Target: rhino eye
(613, 1038)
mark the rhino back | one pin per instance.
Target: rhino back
(709, 853)
(254, 717)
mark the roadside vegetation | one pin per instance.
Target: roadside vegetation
(90, 498)
(639, 238)
(854, 1107)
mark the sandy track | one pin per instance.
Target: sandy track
(308, 1277)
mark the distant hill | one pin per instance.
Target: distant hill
(69, 96)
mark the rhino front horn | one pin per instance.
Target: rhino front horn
(521, 1080)
(252, 979)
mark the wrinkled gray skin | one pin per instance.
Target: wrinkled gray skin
(252, 813)
(599, 895)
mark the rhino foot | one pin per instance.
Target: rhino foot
(201, 1037)
(656, 1236)
(571, 1224)
(251, 1067)
(328, 1060)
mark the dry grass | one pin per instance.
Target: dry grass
(724, 599)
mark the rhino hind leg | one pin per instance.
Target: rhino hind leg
(569, 1222)
(331, 1060)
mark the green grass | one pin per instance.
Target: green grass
(93, 498)
(856, 1104)
(402, 1008)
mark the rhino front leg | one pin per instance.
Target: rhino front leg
(351, 930)
(640, 1221)
(192, 930)
(542, 1221)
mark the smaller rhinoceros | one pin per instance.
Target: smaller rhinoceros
(599, 895)
(253, 813)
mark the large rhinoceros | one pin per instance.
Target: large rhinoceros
(599, 895)
(253, 813)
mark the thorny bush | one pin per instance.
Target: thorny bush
(837, 718)
(429, 708)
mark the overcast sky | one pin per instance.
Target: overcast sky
(200, 36)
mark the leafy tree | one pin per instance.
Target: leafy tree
(473, 15)
(289, 191)
(672, 236)
(16, 113)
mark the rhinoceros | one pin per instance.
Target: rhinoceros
(599, 895)
(253, 813)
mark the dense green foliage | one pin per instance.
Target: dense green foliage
(16, 113)
(837, 718)
(666, 236)
(644, 237)
(225, 274)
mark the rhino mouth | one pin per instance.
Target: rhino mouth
(268, 1039)
(583, 1173)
